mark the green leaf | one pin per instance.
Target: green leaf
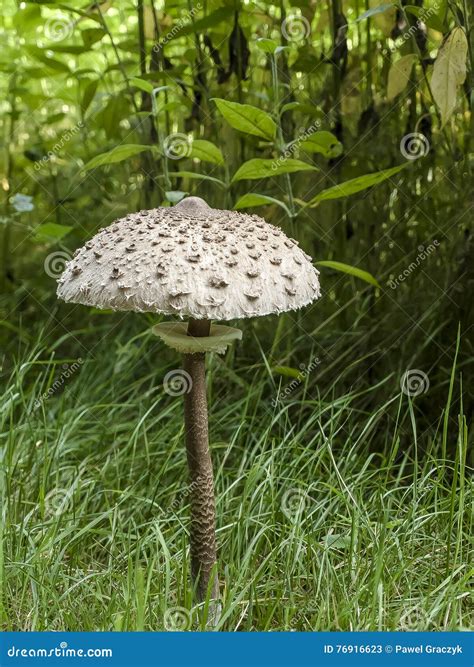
(50, 63)
(73, 49)
(356, 185)
(141, 84)
(206, 151)
(290, 106)
(260, 168)
(449, 72)
(380, 9)
(117, 154)
(399, 75)
(197, 177)
(266, 45)
(51, 231)
(322, 142)
(92, 35)
(88, 13)
(351, 270)
(116, 109)
(441, 8)
(308, 109)
(88, 95)
(428, 15)
(247, 119)
(55, 118)
(287, 371)
(212, 19)
(253, 199)
(384, 16)
(26, 18)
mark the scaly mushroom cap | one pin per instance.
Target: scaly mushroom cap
(193, 261)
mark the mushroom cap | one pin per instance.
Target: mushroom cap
(193, 261)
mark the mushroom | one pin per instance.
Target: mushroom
(191, 275)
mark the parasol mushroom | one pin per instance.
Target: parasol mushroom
(201, 264)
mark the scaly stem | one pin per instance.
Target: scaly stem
(203, 514)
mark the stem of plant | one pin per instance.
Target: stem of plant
(203, 513)
(9, 173)
(280, 138)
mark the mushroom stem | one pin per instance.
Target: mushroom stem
(203, 515)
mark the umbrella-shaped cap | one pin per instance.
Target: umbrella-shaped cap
(193, 261)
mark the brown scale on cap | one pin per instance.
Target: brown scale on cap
(218, 281)
(251, 265)
(252, 295)
(193, 257)
(116, 273)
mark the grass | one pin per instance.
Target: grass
(336, 508)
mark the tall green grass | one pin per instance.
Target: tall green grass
(337, 509)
